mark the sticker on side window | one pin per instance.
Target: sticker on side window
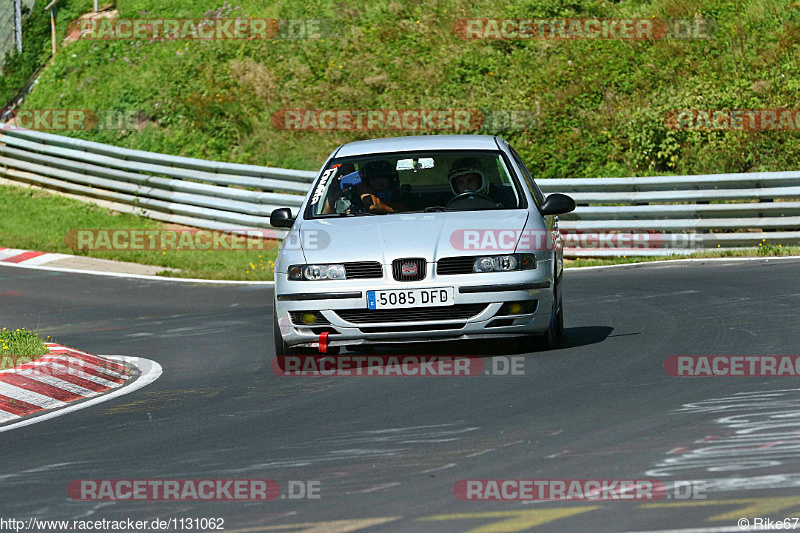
(323, 182)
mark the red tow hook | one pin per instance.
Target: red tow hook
(323, 342)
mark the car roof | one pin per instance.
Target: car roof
(418, 143)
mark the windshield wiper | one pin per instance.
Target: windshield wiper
(337, 215)
(364, 214)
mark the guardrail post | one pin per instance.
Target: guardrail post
(18, 24)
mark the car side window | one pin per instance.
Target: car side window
(537, 193)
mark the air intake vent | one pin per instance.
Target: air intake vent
(363, 270)
(411, 314)
(454, 265)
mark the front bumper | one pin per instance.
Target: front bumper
(484, 294)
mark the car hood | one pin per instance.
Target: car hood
(387, 237)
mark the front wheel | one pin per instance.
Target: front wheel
(281, 348)
(555, 329)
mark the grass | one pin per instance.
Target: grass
(19, 346)
(600, 105)
(38, 220)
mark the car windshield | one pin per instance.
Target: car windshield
(384, 184)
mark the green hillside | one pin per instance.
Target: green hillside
(600, 105)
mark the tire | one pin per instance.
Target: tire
(281, 348)
(552, 336)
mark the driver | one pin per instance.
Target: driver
(467, 175)
(380, 189)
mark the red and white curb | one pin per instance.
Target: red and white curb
(27, 257)
(66, 380)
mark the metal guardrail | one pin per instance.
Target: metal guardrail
(677, 212)
(183, 190)
(674, 212)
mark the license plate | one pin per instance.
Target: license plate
(398, 298)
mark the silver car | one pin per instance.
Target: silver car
(428, 238)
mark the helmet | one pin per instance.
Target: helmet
(380, 169)
(468, 165)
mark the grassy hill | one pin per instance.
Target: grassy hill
(600, 104)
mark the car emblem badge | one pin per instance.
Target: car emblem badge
(408, 269)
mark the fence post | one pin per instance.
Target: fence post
(51, 7)
(18, 24)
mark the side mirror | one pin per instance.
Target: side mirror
(557, 204)
(282, 218)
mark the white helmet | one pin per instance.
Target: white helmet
(468, 165)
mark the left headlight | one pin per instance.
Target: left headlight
(316, 272)
(504, 263)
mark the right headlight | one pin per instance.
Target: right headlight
(504, 263)
(316, 272)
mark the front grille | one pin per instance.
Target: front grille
(411, 314)
(454, 265)
(363, 270)
(297, 318)
(409, 269)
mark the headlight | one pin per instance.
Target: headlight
(316, 272)
(504, 263)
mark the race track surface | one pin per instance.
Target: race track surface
(391, 449)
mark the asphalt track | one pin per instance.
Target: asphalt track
(388, 451)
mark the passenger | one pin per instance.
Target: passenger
(379, 189)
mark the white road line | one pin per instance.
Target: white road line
(724, 529)
(24, 395)
(150, 372)
(375, 489)
(692, 260)
(136, 276)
